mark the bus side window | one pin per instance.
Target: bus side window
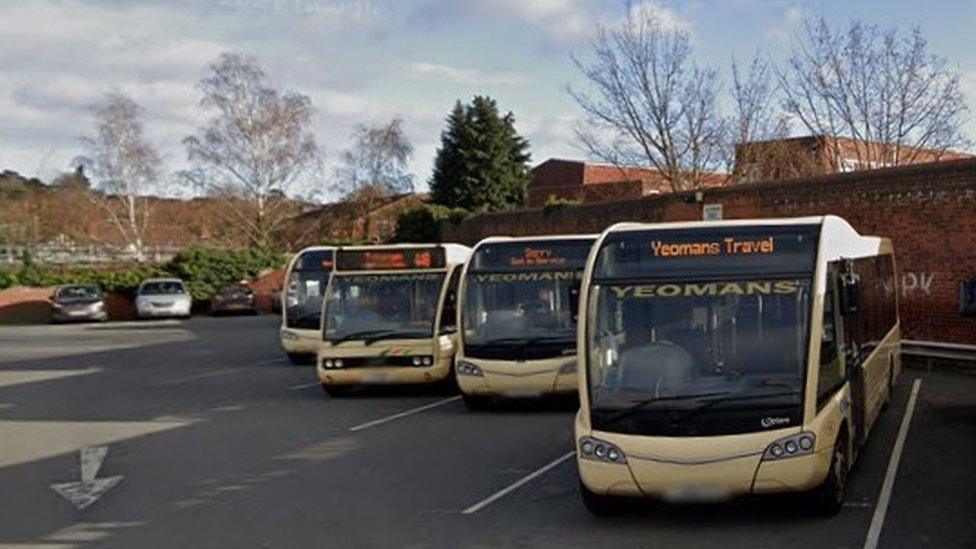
(831, 372)
(449, 314)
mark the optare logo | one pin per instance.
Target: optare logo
(770, 421)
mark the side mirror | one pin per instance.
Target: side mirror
(574, 298)
(849, 296)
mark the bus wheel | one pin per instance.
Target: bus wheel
(300, 358)
(335, 390)
(829, 496)
(476, 403)
(597, 504)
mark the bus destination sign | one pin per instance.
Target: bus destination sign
(392, 259)
(551, 254)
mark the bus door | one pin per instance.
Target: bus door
(849, 297)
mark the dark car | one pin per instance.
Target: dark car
(234, 298)
(78, 302)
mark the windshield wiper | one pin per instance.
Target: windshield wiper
(392, 335)
(644, 402)
(721, 400)
(526, 341)
(364, 334)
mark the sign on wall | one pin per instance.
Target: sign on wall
(711, 212)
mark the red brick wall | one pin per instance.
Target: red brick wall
(928, 210)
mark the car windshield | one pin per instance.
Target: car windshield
(162, 287)
(79, 292)
(664, 345)
(507, 315)
(388, 305)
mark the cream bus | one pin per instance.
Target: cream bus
(518, 301)
(301, 302)
(735, 357)
(391, 315)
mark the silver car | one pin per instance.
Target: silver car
(78, 302)
(163, 297)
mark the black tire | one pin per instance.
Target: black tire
(599, 505)
(335, 391)
(300, 359)
(476, 403)
(829, 497)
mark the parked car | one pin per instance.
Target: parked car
(163, 297)
(234, 298)
(78, 302)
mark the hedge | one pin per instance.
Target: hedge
(423, 224)
(205, 270)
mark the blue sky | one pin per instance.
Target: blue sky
(364, 61)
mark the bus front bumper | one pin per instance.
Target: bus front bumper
(382, 375)
(296, 341)
(512, 379)
(703, 470)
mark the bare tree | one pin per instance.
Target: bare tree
(124, 164)
(650, 104)
(255, 149)
(895, 102)
(378, 157)
(757, 126)
(374, 168)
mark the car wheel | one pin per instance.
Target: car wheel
(599, 505)
(300, 359)
(829, 497)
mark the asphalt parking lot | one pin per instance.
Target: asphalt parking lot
(219, 442)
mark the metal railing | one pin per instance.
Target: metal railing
(74, 255)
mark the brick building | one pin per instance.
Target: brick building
(928, 210)
(815, 155)
(589, 183)
(344, 221)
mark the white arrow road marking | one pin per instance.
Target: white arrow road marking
(84, 493)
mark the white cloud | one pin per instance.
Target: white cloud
(782, 30)
(458, 75)
(666, 18)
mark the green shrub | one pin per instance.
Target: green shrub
(423, 224)
(555, 204)
(205, 270)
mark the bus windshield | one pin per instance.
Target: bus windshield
(370, 307)
(304, 289)
(686, 346)
(520, 315)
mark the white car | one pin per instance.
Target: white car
(163, 297)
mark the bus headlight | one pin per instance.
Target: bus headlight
(422, 360)
(465, 368)
(792, 446)
(332, 363)
(599, 450)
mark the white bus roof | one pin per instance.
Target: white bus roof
(535, 238)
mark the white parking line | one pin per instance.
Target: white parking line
(877, 522)
(214, 373)
(304, 385)
(409, 412)
(516, 485)
(271, 361)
